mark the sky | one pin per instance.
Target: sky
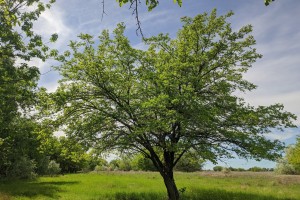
(276, 30)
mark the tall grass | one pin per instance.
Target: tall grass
(149, 186)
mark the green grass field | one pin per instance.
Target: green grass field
(149, 186)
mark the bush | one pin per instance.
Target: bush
(141, 163)
(218, 168)
(100, 168)
(225, 170)
(283, 167)
(189, 163)
(42, 165)
(53, 168)
(23, 168)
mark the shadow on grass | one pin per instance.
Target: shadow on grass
(31, 189)
(215, 194)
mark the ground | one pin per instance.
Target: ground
(149, 186)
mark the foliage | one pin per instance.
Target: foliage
(218, 168)
(19, 45)
(70, 155)
(226, 170)
(177, 96)
(283, 167)
(293, 155)
(267, 2)
(23, 168)
(94, 160)
(53, 168)
(189, 162)
(21, 146)
(142, 163)
(114, 164)
(290, 163)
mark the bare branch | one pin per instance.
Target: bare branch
(134, 5)
(103, 9)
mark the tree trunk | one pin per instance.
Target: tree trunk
(166, 171)
(173, 193)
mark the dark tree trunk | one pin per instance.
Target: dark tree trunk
(169, 181)
(166, 171)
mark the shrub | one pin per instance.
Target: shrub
(42, 165)
(53, 168)
(283, 167)
(225, 170)
(189, 162)
(218, 168)
(100, 168)
(23, 168)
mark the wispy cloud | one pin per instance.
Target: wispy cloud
(277, 30)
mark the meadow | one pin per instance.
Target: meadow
(149, 186)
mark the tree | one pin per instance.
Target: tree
(284, 167)
(218, 168)
(18, 82)
(177, 96)
(293, 156)
(140, 162)
(189, 162)
(290, 163)
(70, 155)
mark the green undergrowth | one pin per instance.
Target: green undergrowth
(149, 186)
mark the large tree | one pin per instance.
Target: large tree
(178, 95)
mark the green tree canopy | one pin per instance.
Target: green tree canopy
(176, 96)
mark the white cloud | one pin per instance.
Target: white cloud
(52, 21)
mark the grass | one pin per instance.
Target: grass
(149, 186)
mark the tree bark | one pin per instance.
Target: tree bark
(169, 181)
(166, 171)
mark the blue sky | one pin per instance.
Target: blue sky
(276, 29)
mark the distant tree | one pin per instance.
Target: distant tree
(190, 162)
(218, 168)
(114, 164)
(293, 155)
(70, 155)
(240, 169)
(283, 167)
(177, 96)
(142, 163)
(95, 159)
(290, 164)
(255, 169)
